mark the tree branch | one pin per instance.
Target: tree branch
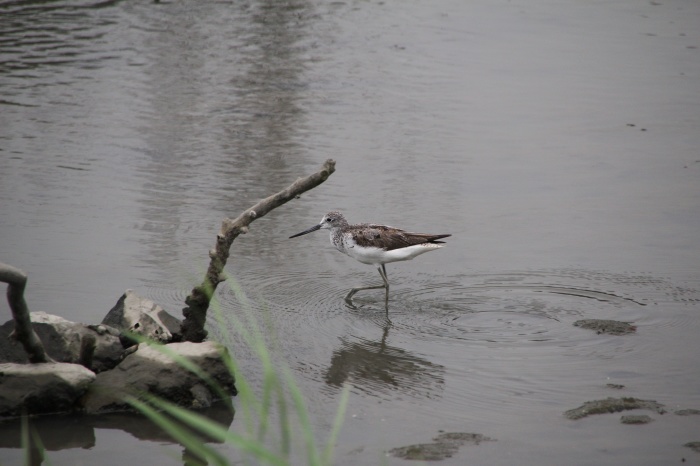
(198, 301)
(24, 333)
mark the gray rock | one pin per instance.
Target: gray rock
(62, 339)
(149, 370)
(42, 388)
(139, 315)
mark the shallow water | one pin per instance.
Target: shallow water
(556, 141)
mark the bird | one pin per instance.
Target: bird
(374, 244)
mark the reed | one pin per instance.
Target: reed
(275, 416)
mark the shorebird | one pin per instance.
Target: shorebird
(374, 245)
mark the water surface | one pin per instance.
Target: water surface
(556, 141)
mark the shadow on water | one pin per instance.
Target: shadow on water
(375, 366)
(63, 432)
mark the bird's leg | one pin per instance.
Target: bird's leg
(348, 298)
(382, 272)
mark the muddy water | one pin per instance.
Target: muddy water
(556, 141)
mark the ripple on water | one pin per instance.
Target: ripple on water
(471, 329)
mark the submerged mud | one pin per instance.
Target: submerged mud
(613, 405)
(636, 419)
(611, 327)
(687, 412)
(444, 446)
(695, 446)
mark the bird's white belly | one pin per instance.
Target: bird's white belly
(376, 256)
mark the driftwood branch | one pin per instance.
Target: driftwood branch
(24, 333)
(198, 301)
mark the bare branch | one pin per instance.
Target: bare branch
(198, 301)
(24, 333)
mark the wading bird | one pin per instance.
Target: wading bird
(374, 245)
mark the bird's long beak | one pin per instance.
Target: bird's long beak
(313, 228)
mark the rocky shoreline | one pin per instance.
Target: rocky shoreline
(95, 366)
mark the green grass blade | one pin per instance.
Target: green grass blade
(24, 436)
(284, 422)
(218, 432)
(337, 424)
(248, 402)
(178, 432)
(303, 414)
(36, 438)
(268, 386)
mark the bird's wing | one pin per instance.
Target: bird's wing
(389, 238)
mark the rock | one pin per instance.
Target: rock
(142, 316)
(148, 369)
(42, 388)
(62, 340)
